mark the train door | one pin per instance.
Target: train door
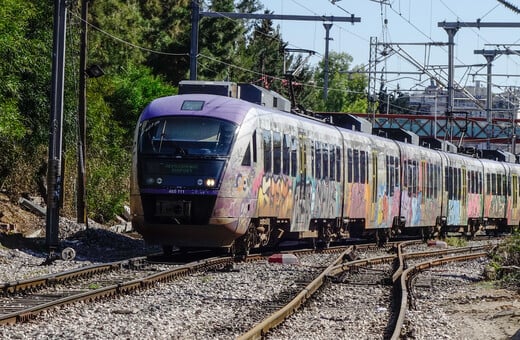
(515, 207)
(464, 195)
(302, 191)
(506, 188)
(453, 174)
(375, 218)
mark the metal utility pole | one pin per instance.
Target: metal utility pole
(490, 56)
(372, 80)
(326, 70)
(82, 120)
(194, 46)
(452, 28)
(54, 180)
(489, 99)
(451, 69)
(196, 14)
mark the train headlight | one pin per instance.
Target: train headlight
(200, 181)
(210, 182)
(158, 180)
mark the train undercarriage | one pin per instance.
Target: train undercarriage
(269, 232)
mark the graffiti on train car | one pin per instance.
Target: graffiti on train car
(274, 194)
(494, 206)
(355, 200)
(325, 199)
(474, 204)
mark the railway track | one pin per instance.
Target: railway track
(274, 306)
(381, 273)
(405, 273)
(23, 300)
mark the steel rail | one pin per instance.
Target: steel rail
(20, 286)
(273, 320)
(408, 274)
(112, 290)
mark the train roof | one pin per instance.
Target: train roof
(209, 105)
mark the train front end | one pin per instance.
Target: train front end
(182, 147)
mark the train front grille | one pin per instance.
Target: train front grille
(178, 209)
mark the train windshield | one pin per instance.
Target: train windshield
(183, 135)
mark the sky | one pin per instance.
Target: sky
(409, 25)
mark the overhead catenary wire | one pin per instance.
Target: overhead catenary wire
(215, 59)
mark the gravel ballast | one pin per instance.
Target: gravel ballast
(223, 305)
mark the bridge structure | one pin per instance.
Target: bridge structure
(461, 130)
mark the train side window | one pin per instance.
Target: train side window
(350, 165)
(313, 159)
(494, 184)
(488, 184)
(246, 161)
(326, 164)
(423, 174)
(374, 177)
(387, 170)
(363, 167)
(475, 182)
(437, 179)
(464, 192)
(267, 150)
(339, 164)
(459, 184)
(427, 180)
(397, 178)
(332, 162)
(302, 156)
(451, 183)
(480, 184)
(453, 175)
(431, 179)
(286, 142)
(446, 179)
(277, 153)
(319, 169)
(471, 181)
(390, 175)
(411, 177)
(248, 156)
(405, 175)
(254, 147)
(514, 186)
(355, 163)
(415, 178)
(294, 159)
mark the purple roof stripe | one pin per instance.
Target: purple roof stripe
(224, 107)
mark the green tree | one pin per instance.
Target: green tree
(25, 50)
(169, 23)
(133, 90)
(217, 47)
(346, 88)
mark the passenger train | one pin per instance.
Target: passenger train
(217, 171)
